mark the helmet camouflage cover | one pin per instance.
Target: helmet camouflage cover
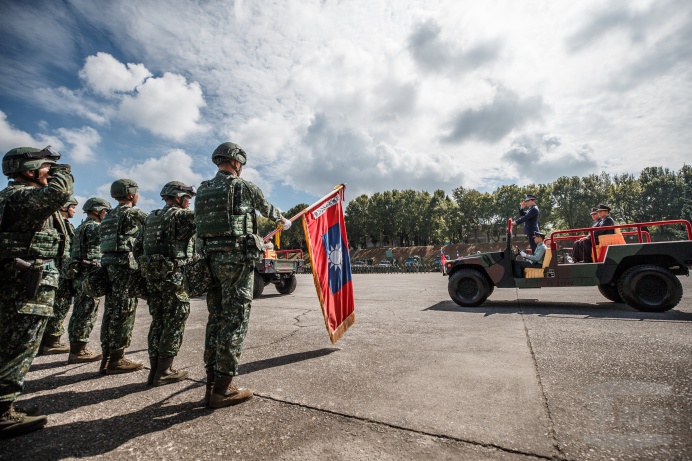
(96, 204)
(177, 189)
(27, 158)
(71, 202)
(229, 150)
(121, 188)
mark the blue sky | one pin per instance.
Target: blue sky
(380, 95)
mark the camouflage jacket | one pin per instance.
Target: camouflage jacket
(85, 244)
(243, 198)
(169, 232)
(119, 232)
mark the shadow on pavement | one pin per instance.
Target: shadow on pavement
(96, 437)
(542, 308)
(284, 360)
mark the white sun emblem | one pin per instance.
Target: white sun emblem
(335, 257)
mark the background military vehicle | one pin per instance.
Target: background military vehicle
(638, 272)
(278, 267)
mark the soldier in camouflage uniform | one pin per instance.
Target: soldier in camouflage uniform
(85, 253)
(227, 225)
(30, 228)
(119, 231)
(169, 245)
(63, 297)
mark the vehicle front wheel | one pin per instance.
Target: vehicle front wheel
(610, 292)
(468, 288)
(287, 286)
(650, 288)
(258, 286)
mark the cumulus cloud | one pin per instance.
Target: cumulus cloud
(151, 174)
(542, 158)
(11, 137)
(106, 75)
(434, 53)
(82, 141)
(166, 106)
(492, 121)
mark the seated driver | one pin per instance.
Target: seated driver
(535, 260)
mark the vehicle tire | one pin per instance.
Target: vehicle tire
(468, 288)
(610, 292)
(650, 288)
(258, 286)
(287, 286)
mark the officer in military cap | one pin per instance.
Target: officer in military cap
(169, 245)
(30, 230)
(119, 231)
(530, 218)
(63, 297)
(531, 260)
(85, 254)
(582, 249)
(227, 226)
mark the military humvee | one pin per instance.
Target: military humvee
(277, 267)
(640, 273)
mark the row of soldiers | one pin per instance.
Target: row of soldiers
(45, 262)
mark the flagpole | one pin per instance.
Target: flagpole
(301, 213)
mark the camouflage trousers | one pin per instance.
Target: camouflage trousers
(83, 313)
(20, 333)
(119, 310)
(63, 300)
(228, 302)
(169, 306)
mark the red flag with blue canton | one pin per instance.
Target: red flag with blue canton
(325, 232)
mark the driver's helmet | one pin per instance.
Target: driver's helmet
(96, 204)
(27, 158)
(229, 150)
(177, 189)
(121, 188)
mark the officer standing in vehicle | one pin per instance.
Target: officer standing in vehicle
(85, 253)
(30, 228)
(63, 297)
(227, 225)
(169, 244)
(119, 231)
(529, 218)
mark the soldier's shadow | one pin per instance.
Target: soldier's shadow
(99, 436)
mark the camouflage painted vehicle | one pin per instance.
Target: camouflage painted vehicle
(279, 268)
(638, 272)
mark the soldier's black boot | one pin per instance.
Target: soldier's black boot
(104, 363)
(153, 364)
(14, 423)
(80, 353)
(118, 363)
(51, 345)
(210, 386)
(165, 374)
(225, 395)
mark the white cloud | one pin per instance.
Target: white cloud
(106, 75)
(152, 173)
(65, 101)
(11, 137)
(83, 142)
(166, 106)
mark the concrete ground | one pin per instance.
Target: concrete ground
(532, 374)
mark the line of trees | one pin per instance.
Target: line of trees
(412, 218)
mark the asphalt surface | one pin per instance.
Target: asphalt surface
(531, 374)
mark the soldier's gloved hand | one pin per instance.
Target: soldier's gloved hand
(523, 254)
(286, 223)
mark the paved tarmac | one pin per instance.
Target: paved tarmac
(532, 374)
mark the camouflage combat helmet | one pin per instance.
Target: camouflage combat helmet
(27, 158)
(229, 150)
(96, 204)
(72, 201)
(177, 189)
(121, 188)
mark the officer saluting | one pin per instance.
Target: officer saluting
(30, 228)
(529, 218)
